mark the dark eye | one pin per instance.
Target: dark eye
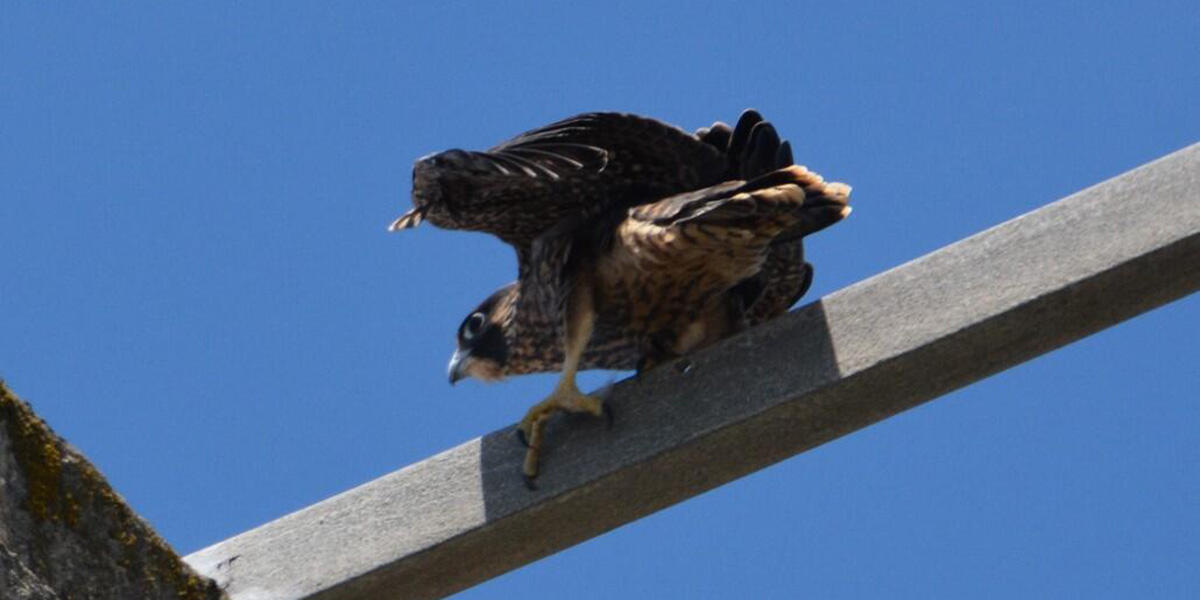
(472, 326)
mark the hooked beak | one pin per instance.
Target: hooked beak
(458, 362)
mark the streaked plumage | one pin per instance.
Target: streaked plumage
(636, 242)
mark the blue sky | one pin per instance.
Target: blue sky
(196, 288)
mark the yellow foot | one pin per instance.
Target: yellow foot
(531, 428)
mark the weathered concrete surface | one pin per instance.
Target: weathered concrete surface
(862, 354)
(64, 533)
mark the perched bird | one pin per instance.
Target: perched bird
(636, 242)
(642, 285)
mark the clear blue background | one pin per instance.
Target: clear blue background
(197, 290)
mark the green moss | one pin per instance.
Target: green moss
(61, 492)
(38, 455)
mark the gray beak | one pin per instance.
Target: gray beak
(455, 369)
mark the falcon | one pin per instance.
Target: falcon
(636, 243)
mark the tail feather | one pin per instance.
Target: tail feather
(716, 135)
(752, 147)
(761, 151)
(741, 132)
(783, 156)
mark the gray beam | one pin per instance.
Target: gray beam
(860, 355)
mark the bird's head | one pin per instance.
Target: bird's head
(482, 350)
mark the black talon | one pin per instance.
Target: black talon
(529, 484)
(608, 415)
(521, 437)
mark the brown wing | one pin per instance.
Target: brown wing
(789, 202)
(583, 165)
(673, 262)
(773, 282)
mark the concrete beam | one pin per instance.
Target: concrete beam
(860, 355)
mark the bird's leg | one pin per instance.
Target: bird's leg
(566, 396)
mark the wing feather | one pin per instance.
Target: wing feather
(581, 166)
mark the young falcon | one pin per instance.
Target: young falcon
(641, 285)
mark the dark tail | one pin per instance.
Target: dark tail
(752, 147)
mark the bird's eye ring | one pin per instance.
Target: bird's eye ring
(472, 326)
